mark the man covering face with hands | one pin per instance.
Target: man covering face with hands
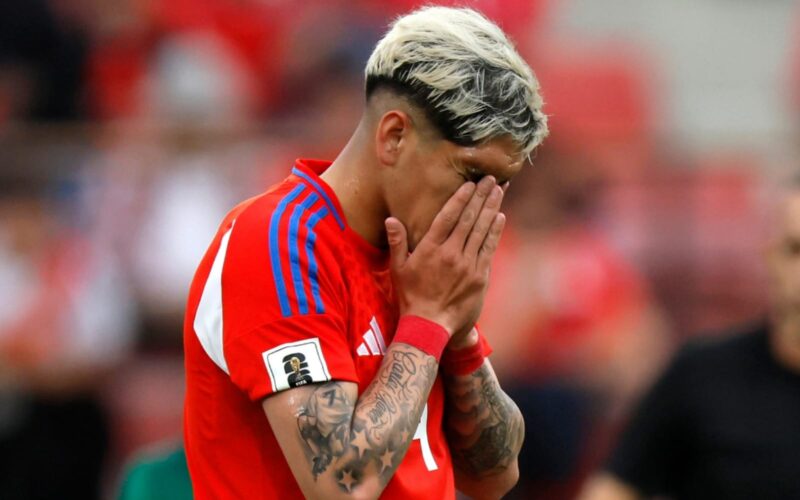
(331, 348)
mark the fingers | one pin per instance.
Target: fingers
(471, 213)
(490, 243)
(398, 242)
(447, 218)
(480, 229)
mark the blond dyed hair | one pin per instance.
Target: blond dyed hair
(464, 72)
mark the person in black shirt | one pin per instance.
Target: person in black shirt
(723, 420)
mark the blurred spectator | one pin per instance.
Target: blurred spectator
(66, 319)
(722, 421)
(43, 49)
(181, 204)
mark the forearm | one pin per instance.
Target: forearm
(362, 450)
(485, 430)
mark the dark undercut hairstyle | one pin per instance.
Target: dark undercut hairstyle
(464, 73)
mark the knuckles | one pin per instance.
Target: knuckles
(467, 217)
(450, 259)
(479, 229)
(449, 219)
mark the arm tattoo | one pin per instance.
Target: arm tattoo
(374, 438)
(484, 426)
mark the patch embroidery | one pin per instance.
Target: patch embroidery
(296, 364)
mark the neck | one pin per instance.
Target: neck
(353, 176)
(785, 342)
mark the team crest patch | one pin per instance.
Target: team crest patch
(296, 364)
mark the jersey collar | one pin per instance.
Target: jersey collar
(309, 171)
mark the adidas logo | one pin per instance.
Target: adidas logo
(373, 344)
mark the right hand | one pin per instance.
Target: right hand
(445, 279)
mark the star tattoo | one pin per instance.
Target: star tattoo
(359, 442)
(386, 460)
(347, 480)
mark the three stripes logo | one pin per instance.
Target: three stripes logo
(293, 224)
(374, 343)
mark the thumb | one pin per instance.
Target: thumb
(398, 241)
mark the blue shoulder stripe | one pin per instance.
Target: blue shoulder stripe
(322, 193)
(312, 261)
(294, 251)
(274, 248)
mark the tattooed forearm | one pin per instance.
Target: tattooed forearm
(324, 424)
(359, 439)
(484, 427)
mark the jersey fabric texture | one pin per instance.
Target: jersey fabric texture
(287, 295)
(722, 422)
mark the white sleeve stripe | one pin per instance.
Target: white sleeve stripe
(208, 319)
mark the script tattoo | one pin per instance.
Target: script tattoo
(375, 437)
(485, 428)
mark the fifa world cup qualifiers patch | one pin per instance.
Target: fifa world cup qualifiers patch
(295, 364)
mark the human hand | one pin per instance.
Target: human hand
(445, 279)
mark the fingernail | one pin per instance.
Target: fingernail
(486, 183)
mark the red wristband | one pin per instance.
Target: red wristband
(425, 335)
(463, 361)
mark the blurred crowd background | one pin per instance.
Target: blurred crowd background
(128, 128)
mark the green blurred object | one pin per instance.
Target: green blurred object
(158, 476)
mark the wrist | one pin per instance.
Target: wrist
(432, 316)
(423, 334)
(465, 341)
(466, 360)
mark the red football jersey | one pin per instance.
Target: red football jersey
(284, 278)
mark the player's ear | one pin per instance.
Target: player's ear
(391, 136)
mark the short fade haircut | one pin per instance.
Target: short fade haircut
(464, 72)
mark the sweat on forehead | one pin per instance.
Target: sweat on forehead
(498, 156)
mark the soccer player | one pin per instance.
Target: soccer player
(322, 363)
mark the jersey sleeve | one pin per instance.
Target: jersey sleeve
(284, 301)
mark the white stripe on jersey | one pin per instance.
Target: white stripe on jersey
(208, 320)
(378, 334)
(372, 343)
